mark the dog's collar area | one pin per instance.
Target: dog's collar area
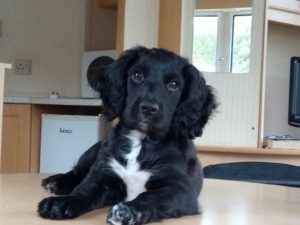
(135, 135)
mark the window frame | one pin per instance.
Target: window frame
(225, 33)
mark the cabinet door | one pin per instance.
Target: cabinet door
(16, 138)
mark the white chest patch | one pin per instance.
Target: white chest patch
(134, 178)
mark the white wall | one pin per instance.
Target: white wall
(141, 23)
(283, 43)
(51, 34)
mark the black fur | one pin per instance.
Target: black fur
(162, 96)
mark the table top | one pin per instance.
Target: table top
(222, 203)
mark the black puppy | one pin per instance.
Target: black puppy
(147, 166)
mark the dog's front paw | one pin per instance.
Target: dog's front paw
(63, 207)
(122, 214)
(59, 184)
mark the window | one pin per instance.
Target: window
(205, 42)
(222, 41)
(241, 40)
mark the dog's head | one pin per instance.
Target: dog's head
(155, 91)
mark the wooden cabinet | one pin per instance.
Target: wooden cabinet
(21, 133)
(101, 25)
(16, 138)
(169, 33)
(111, 4)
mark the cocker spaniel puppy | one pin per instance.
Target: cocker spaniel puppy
(146, 168)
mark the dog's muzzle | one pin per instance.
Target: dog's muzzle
(148, 111)
(148, 108)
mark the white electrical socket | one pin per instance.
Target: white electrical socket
(22, 66)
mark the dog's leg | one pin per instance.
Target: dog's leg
(173, 200)
(98, 188)
(61, 184)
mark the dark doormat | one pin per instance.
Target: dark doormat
(259, 172)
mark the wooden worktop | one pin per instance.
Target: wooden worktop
(55, 101)
(222, 202)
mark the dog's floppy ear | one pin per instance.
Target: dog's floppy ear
(110, 82)
(196, 105)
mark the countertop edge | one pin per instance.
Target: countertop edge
(57, 101)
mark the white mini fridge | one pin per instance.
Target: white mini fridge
(64, 138)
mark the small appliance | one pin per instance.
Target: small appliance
(92, 61)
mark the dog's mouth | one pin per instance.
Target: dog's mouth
(144, 125)
(151, 128)
(147, 125)
(150, 125)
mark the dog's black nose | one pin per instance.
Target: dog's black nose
(148, 107)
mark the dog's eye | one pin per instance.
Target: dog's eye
(137, 77)
(173, 86)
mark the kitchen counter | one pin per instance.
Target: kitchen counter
(57, 101)
(222, 202)
(22, 127)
